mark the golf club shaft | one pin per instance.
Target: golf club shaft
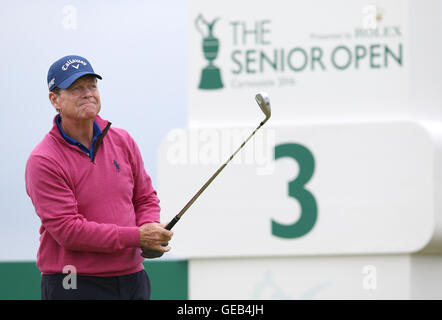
(149, 253)
(204, 187)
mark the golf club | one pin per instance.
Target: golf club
(264, 103)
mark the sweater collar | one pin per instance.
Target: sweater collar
(98, 120)
(99, 125)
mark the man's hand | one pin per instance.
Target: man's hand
(154, 235)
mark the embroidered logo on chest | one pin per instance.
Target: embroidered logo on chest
(117, 167)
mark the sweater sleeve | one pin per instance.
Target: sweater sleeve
(145, 199)
(55, 203)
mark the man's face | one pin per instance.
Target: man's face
(81, 101)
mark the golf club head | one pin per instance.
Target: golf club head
(263, 100)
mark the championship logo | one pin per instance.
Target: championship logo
(211, 74)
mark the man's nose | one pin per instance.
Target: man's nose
(87, 92)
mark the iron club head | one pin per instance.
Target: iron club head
(263, 100)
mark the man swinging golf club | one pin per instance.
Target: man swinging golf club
(95, 200)
(92, 194)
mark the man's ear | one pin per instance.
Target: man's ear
(53, 98)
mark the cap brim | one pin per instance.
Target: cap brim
(69, 81)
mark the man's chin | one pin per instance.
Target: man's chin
(90, 112)
(89, 115)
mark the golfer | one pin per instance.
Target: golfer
(90, 189)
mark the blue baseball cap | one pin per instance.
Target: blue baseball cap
(66, 70)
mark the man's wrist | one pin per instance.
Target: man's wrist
(129, 236)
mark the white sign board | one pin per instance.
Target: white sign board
(325, 189)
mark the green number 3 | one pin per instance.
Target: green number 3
(309, 210)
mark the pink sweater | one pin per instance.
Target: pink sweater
(90, 211)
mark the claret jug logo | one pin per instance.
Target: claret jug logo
(211, 74)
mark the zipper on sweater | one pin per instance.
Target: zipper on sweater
(99, 140)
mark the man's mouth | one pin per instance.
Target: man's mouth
(87, 103)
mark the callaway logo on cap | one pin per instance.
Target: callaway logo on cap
(66, 70)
